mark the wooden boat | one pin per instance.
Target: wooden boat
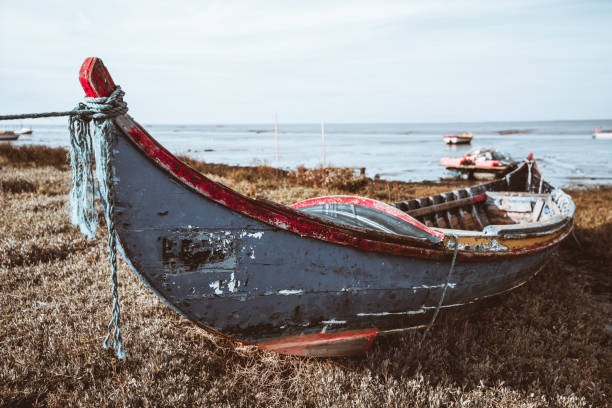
(8, 135)
(602, 134)
(464, 138)
(327, 276)
(481, 163)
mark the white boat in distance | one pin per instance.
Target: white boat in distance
(23, 131)
(602, 134)
(8, 135)
(464, 138)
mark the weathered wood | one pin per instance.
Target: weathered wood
(265, 273)
(537, 210)
(505, 194)
(551, 204)
(496, 220)
(440, 220)
(95, 79)
(423, 203)
(468, 220)
(348, 343)
(478, 222)
(507, 204)
(482, 214)
(459, 211)
(495, 211)
(451, 216)
(432, 209)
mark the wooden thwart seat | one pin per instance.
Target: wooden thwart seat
(473, 209)
(432, 209)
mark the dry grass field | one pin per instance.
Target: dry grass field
(547, 343)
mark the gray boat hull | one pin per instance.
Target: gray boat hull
(253, 281)
(272, 275)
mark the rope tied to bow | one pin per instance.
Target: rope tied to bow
(86, 149)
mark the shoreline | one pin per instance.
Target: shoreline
(397, 152)
(31, 155)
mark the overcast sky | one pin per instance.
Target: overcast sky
(239, 62)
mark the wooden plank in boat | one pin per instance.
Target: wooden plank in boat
(510, 205)
(553, 206)
(537, 210)
(446, 206)
(501, 194)
(440, 220)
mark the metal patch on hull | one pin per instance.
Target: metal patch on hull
(189, 250)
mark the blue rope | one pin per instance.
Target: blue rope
(83, 149)
(87, 149)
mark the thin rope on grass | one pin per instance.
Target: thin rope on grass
(83, 149)
(87, 149)
(576, 238)
(448, 276)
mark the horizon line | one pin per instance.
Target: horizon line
(339, 123)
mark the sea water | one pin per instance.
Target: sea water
(565, 151)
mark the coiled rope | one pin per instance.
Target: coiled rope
(448, 276)
(85, 150)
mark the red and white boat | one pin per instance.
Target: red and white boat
(481, 163)
(602, 134)
(464, 138)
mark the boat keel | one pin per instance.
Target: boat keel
(336, 344)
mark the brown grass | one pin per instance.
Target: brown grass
(542, 345)
(33, 156)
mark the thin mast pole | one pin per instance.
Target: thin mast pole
(323, 140)
(276, 136)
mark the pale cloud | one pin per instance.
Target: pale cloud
(226, 61)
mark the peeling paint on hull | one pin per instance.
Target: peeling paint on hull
(294, 285)
(267, 274)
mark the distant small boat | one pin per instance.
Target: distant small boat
(23, 131)
(481, 163)
(8, 135)
(464, 138)
(602, 134)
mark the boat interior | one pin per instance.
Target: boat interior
(462, 211)
(522, 197)
(521, 201)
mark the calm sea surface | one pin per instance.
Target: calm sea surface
(565, 151)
